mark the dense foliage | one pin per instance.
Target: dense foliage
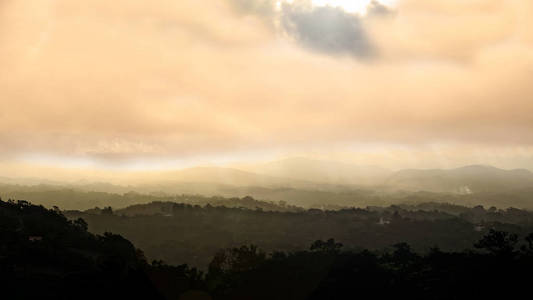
(499, 269)
(45, 256)
(181, 233)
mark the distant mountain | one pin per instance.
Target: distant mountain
(189, 179)
(220, 181)
(326, 172)
(222, 176)
(28, 181)
(297, 181)
(219, 176)
(464, 180)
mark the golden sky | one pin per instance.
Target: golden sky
(175, 83)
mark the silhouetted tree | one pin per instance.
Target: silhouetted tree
(498, 242)
(107, 211)
(329, 246)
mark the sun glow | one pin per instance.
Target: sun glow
(352, 6)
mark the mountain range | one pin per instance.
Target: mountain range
(465, 180)
(312, 175)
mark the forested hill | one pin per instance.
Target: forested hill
(276, 199)
(182, 233)
(74, 199)
(166, 207)
(43, 255)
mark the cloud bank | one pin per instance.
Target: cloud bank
(120, 80)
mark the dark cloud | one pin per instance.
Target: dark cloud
(324, 29)
(327, 29)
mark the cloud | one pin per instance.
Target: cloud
(326, 29)
(451, 30)
(127, 79)
(260, 7)
(375, 8)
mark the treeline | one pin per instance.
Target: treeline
(499, 267)
(182, 233)
(73, 199)
(43, 255)
(83, 197)
(423, 211)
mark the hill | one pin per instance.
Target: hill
(182, 233)
(320, 171)
(43, 255)
(464, 180)
(46, 256)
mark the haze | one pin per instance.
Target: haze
(136, 85)
(266, 149)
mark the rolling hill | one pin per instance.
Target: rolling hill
(465, 180)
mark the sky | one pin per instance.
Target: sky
(131, 84)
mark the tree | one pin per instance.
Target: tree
(107, 211)
(403, 255)
(81, 224)
(498, 242)
(328, 246)
(237, 259)
(529, 240)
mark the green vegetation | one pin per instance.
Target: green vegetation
(182, 233)
(43, 255)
